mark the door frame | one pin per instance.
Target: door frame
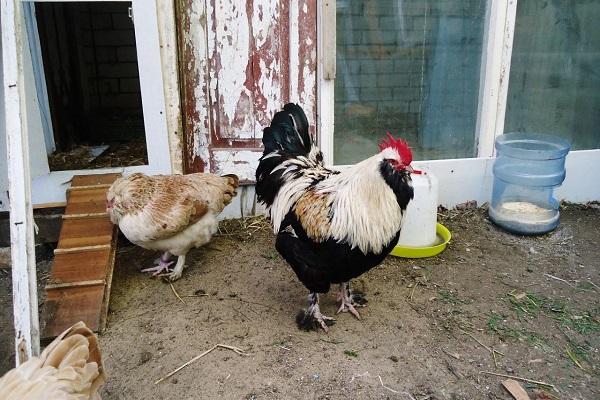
(460, 179)
(49, 187)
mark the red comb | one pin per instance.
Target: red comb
(399, 145)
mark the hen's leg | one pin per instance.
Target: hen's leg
(163, 264)
(311, 318)
(349, 300)
(176, 274)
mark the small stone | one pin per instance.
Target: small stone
(532, 250)
(509, 370)
(394, 359)
(145, 357)
(174, 381)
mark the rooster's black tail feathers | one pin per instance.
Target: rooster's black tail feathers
(288, 132)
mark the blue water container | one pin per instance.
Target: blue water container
(528, 169)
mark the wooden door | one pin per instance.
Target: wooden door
(241, 61)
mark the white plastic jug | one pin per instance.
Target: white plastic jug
(419, 222)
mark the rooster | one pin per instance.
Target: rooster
(331, 226)
(170, 213)
(69, 368)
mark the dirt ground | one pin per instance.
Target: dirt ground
(433, 328)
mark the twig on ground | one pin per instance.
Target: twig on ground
(560, 279)
(483, 345)
(573, 358)
(359, 376)
(175, 293)
(332, 341)
(455, 356)
(410, 396)
(521, 379)
(413, 291)
(494, 357)
(241, 313)
(237, 350)
(388, 388)
(594, 285)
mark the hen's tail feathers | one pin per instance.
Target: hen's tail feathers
(288, 132)
(233, 182)
(71, 364)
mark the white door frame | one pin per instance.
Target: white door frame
(467, 178)
(49, 188)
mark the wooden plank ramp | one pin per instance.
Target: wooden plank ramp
(81, 274)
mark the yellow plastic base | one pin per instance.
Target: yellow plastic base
(444, 237)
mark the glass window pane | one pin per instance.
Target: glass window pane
(410, 67)
(554, 85)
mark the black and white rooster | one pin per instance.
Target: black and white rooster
(331, 226)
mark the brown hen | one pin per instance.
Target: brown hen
(170, 213)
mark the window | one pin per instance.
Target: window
(554, 84)
(411, 67)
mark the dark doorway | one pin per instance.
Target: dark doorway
(91, 68)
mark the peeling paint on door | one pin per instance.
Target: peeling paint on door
(241, 61)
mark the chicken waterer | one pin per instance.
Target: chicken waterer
(421, 235)
(528, 168)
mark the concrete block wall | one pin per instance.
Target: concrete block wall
(384, 49)
(110, 58)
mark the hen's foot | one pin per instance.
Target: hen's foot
(175, 274)
(349, 301)
(311, 318)
(159, 269)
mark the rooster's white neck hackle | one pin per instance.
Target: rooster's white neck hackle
(372, 216)
(364, 209)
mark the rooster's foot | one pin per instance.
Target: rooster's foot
(311, 318)
(349, 301)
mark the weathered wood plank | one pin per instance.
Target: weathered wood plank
(25, 303)
(81, 233)
(79, 266)
(89, 180)
(67, 306)
(242, 64)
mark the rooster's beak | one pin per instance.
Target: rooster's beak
(413, 171)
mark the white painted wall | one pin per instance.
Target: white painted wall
(38, 159)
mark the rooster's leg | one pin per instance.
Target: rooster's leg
(311, 317)
(163, 265)
(349, 300)
(165, 257)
